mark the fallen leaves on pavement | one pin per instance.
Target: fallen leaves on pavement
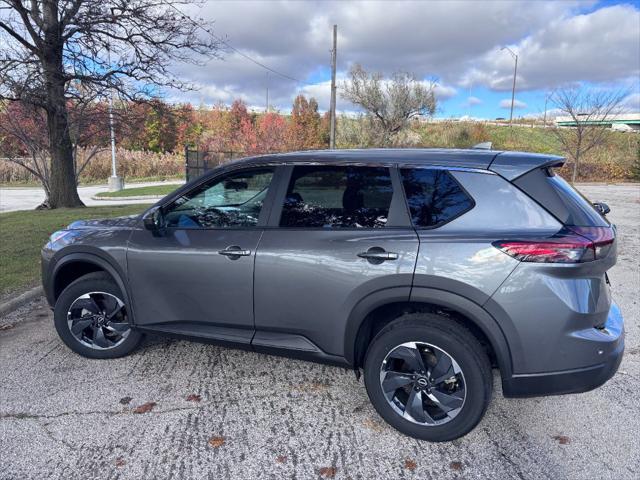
(410, 464)
(145, 407)
(216, 442)
(328, 472)
(562, 439)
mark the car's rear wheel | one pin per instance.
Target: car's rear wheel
(428, 376)
(92, 319)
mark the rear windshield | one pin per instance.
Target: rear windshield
(560, 198)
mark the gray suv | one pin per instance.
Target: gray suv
(423, 268)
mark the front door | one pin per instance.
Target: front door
(197, 277)
(343, 233)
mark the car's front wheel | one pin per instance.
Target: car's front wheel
(428, 377)
(92, 319)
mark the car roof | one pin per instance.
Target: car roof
(428, 156)
(509, 164)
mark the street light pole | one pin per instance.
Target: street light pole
(332, 106)
(513, 89)
(546, 99)
(266, 108)
(115, 182)
(113, 138)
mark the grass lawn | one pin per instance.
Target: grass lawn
(22, 235)
(141, 191)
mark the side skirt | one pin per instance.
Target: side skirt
(280, 344)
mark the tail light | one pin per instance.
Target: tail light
(569, 245)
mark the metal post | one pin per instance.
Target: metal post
(513, 90)
(267, 104)
(186, 162)
(115, 183)
(546, 99)
(332, 108)
(113, 138)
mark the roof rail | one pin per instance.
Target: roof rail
(482, 146)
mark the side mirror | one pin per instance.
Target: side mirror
(602, 208)
(154, 220)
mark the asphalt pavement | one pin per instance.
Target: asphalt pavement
(176, 409)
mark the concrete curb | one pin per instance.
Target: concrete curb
(125, 199)
(14, 303)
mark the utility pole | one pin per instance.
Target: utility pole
(546, 99)
(513, 89)
(332, 108)
(267, 105)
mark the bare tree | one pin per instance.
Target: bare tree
(56, 51)
(24, 142)
(24, 139)
(390, 104)
(590, 112)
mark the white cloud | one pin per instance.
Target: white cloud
(517, 104)
(632, 103)
(601, 46)
(456, 42)
(471, 101)
(443, 92)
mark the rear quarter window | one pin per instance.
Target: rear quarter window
(434, 197)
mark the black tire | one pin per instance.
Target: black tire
(93, 282)
(460, 344)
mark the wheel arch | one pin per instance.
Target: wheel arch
(380, 308)
(74, 265)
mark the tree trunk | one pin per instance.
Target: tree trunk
(575, 170)
(63, 190)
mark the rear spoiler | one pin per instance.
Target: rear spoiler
(512, 165)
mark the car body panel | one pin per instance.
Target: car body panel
(185, 264)
(319, 278)
(459, 256)
(555, 309)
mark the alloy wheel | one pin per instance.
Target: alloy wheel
(423, 383)
(98, 320)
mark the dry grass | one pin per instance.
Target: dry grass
(613, 161)
(131, 165)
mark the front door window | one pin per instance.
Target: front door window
(233, 201)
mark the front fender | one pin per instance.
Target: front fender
(82, 254)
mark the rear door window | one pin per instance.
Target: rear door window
(337, 197)
(434, 197)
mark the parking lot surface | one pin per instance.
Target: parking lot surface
(176, 409)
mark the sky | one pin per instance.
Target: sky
(457, 44)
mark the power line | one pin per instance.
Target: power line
(231, 47)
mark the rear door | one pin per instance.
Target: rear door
(337, 234)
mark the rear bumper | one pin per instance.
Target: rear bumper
(609, 340)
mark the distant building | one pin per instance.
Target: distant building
(627, 122)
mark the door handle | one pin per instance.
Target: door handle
(234, 251)
(378, 255)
